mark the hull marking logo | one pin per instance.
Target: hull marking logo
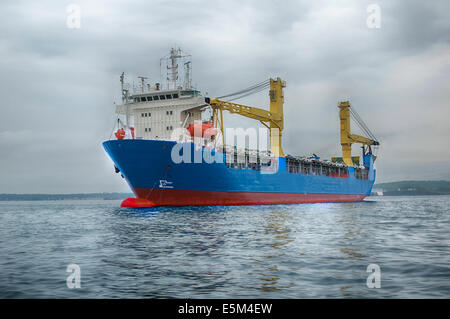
(165, 184)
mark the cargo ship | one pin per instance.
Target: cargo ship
(172, 149)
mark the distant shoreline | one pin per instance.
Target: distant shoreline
(62, 197)
(412, 188)
(53, 198)
(405, 194)
(402, 188)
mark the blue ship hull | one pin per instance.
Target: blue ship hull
(157, 180)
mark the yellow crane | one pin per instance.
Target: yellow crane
(347, 138)
(272, 119)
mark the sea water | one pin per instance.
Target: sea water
(49, 248)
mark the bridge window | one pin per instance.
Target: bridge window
(168, 96)
(175, 95)
(162, 97)
(149, 98)
(143, 99)
(155, 97)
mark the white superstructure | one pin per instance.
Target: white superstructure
(155, 112)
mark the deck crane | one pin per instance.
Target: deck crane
(347, 138)
(272, 119)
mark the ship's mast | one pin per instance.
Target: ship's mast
(143, 78)
(125, 99)
(174, 55)
(187, 75)
(122, 76)
(173, 72)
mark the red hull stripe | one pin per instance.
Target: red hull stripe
(147, 197)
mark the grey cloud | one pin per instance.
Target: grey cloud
(58, 85)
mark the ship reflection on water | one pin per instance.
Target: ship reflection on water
(279, 250)
(277, 228)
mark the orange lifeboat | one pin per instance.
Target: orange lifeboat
(206, 128)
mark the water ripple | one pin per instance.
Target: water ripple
(284, 251)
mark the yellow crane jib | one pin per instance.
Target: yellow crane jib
(272, 119)
(347, 138)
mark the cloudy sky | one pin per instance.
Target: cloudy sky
(59, 85)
